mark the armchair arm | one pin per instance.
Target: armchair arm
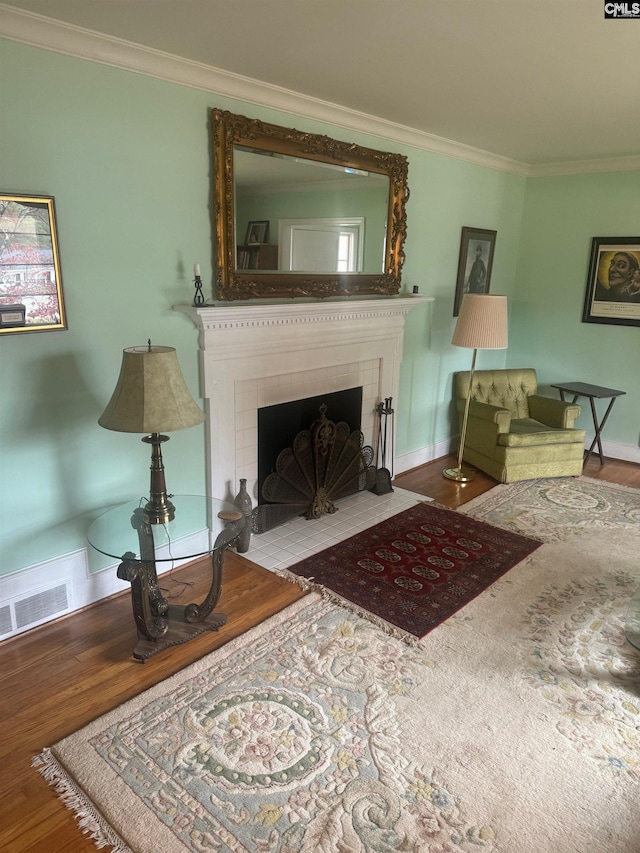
(553, 413)
(487, 414)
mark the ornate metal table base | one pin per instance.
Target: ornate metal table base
(177, 632)
(158, 623)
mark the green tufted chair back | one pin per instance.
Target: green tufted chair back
(509, 389)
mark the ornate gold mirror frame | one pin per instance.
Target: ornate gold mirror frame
(230, 132)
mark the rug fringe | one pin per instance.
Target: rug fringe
(309, 585)
(89, 819)
(306, 584)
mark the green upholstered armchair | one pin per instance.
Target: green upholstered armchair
(515, 434)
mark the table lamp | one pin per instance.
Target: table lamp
(482, 324)
(152, 397)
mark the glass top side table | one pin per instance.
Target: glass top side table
(123, 533)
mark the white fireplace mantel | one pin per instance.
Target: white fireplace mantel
(254, 354)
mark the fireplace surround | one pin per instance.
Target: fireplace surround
(262, 354)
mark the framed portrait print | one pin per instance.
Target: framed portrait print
(613, 282)
(257, 232)
(31, 298)
(477, 247)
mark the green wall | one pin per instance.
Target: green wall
(561, 215)
(127, 159)
(447, 194)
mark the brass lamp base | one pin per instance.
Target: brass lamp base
(460, 475)
(158, 509)
(159, 512)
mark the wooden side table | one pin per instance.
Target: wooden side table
(593, 392)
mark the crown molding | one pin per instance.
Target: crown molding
(586, 167)
(71, 40)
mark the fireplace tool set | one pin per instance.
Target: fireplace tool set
(384, 476)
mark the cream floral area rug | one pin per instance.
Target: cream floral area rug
(513, 727)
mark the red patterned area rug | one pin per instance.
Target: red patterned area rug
(412, 571)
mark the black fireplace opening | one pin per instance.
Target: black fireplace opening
(279, 425)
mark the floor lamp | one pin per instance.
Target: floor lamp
(482, 324)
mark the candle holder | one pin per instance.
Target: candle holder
(198, 298)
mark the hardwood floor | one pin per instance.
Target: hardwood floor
(60, 676)
(428, 479)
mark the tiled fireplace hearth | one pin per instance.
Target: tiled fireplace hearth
(255, 355)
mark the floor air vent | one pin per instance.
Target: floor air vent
(40, 606)
(35, 608)
(6, 625)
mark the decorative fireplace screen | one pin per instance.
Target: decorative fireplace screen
(326, 462)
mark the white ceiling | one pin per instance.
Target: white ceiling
(537, 81)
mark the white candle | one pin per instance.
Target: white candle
(196, 269)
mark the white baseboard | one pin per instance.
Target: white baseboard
(69, 574)
(616, 450)
(408, 461)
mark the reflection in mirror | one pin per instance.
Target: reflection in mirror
(316, 199)
(332, 244)
(332, 214)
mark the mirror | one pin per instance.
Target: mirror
(299, 214)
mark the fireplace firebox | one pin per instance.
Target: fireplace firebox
(279, 425)
(325, 462)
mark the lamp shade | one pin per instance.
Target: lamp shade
(482, 322)
(151, 395)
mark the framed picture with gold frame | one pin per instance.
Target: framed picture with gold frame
(613, 282)
(31, 298)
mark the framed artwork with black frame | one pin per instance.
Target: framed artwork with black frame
(477, 247)
(31, 298)
(613, 282)
(257, 232)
